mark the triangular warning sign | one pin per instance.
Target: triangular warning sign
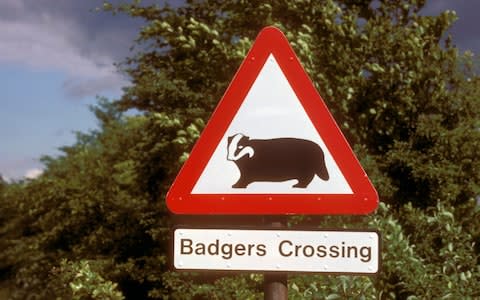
(272, 147)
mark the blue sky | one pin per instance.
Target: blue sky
(56, 56)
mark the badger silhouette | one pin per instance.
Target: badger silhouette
(276, 160)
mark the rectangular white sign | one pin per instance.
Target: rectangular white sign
(277, 250)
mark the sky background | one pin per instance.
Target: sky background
(56, 56)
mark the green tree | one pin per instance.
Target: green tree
(85, 208)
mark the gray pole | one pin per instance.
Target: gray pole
(275, 284)
(275, 287)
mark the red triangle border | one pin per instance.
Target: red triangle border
(364, 199)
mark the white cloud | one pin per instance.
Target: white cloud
(5, 178)
(51, 43)
(14, 168)
(33, 173)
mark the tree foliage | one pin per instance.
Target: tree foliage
(94, 225)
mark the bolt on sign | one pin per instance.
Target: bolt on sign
(272, 147)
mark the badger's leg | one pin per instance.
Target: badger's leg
(241, 184)
(322, 171)
(304, 181)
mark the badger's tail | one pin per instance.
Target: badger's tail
(322, 171)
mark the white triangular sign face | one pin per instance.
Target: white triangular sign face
(270, 110)
(271, 147)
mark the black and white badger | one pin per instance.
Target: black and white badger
(276, 160)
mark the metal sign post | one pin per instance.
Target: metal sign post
(275, 285)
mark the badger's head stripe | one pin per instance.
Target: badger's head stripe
(233, 146)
